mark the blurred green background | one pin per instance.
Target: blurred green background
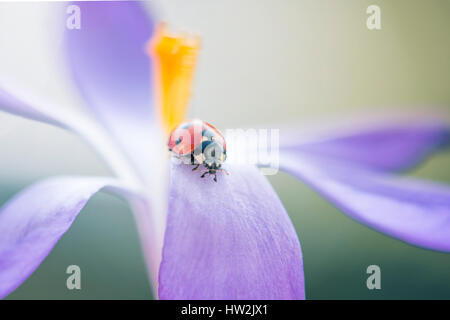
(262, 63)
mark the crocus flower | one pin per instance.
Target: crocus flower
(240, 243)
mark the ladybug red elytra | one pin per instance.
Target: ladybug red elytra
(198, 142)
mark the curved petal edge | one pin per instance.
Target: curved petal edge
(384, 147)
(13, 105)
(414, 211)
(32, 222)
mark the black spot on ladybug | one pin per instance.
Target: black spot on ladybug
(205, 144)
(208, 134)
(178, 141)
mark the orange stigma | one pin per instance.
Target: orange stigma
(174, 59)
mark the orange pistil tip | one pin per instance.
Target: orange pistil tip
(174, 59)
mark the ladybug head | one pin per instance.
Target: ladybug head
(214, 154)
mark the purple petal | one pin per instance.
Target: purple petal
(383, 148)
(33, 221)
(112, 70)
(88, 131)
(228, 240)
(13, 105)
(414, 211)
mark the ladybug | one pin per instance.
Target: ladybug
(198, 142)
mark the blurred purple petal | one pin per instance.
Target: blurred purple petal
(33, 221)
(112, 70)
(228, 240)
(414, 211)
(384, 148)
(93, 135)
(13, 105)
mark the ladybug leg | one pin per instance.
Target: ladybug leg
(204, 173)
(215, 177)
(195, 168)
(224, 171)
